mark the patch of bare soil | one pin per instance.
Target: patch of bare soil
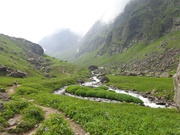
(73, 125)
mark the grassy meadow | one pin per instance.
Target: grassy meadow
(109, 118)
(95, 117)
(162, 87)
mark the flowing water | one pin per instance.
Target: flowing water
(96, 82)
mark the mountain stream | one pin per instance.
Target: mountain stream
(96, 83)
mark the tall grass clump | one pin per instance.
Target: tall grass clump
(101, 92)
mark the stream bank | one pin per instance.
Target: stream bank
(147, 98)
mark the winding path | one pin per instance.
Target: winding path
(48, 111)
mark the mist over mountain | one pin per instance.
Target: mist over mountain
(62, 45)
(145, 37)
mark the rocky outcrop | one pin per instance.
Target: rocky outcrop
(177, 88)
(92, 67)
(3, 70)
(103, 79)
(6, 71)
(18, 74)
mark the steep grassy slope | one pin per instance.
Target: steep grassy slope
(13, 54)
(165, 49)
(24, 56)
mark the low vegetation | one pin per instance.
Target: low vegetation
(31, 115)
(160, 86)
(110, 118)
(101, 92)
(95, 117)
(55, 125)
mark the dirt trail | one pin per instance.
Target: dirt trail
(48, 111)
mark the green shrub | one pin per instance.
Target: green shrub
(34, 113)
(22, 90)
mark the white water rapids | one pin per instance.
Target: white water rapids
(96, 83)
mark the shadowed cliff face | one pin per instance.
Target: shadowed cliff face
(142, 21)
(177, 88)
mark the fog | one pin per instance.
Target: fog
(35, 19)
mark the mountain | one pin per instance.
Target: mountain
(144, 38)
(20, 58)
(94, 38)
(62, 45)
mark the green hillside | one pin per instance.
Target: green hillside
(22, 56)
(45, 74)
(132, 54)
(163, 50)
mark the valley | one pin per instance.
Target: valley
(121, 78)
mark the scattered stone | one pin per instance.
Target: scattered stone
(177, 88)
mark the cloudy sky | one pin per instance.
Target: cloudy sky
(35, 19)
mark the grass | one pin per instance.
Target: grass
(110, 118)
(101, 92)
(55, 125)
(31, 115)
(135, 52)
(96, 118)
(161, 86)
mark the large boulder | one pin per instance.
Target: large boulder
(18, 74)
(103, 79)
(92, 67)
(177, 88)
(3, 69)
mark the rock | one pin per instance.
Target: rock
(3, 69)
(177, 88)
(104, 79)
(18, 74)
(160, 103)
(165, 74)
(1, 48)
(2, 90)
(4, 97)
(92, 67)
(80, 81)
(12, 122)
(2, 107)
